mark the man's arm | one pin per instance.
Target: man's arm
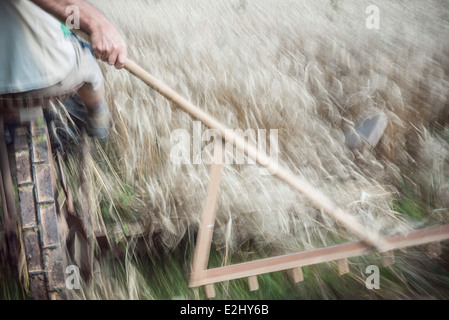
(107, 43)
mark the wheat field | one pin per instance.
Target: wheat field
(311, 70)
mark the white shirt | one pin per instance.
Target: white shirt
(34, 53)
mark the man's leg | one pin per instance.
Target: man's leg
(92, 98)
(98, 116)
(92, 92)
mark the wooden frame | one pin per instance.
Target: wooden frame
(202, 276)
(370, 241)
(306, 258)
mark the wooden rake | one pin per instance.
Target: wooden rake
(201, 276)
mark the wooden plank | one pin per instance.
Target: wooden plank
(297, 275)
(343, 266)
(253, 284)
(209, 290)
(321, 255)
(388, 258)
(434, 250)
(204, 237)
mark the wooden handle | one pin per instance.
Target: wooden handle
(317, 198)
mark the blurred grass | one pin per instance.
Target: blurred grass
(163, 273)
(408, 204)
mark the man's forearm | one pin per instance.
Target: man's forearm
(90, 17)
(107, 42)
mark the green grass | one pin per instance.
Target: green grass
(408, 207)
(10, 288)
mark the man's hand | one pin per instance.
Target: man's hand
(107, 42)
(108, 45)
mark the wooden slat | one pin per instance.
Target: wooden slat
(434, 250)
(253, 284)
(204, 237)
(388, 258)
(343, 266)
(209, 290)
(297, 275)
(327, 254)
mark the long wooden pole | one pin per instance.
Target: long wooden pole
(316, 197)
